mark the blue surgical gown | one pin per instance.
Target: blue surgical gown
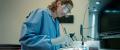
(38, 30)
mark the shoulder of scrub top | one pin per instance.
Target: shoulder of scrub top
(45, 10)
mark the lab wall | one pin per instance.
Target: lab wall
(13, 13)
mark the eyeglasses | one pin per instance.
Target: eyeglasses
(67, 9)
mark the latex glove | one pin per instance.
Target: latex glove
(68, 42)
(65, 39)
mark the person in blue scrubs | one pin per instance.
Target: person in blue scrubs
(40, 31)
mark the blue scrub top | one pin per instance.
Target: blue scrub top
(38, 30)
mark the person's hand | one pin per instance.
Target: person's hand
(68, 41)
(65, 40)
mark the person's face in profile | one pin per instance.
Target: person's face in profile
(62, 10)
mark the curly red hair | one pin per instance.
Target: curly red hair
(53, 6)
